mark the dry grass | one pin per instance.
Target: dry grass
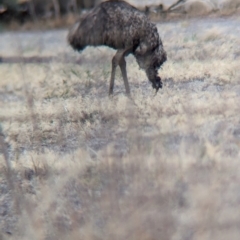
(82, 166)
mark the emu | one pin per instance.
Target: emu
(121, 26)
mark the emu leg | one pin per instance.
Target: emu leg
(122, 65)
(114, 66)
(118, 59)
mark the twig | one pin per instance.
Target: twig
(175, 4)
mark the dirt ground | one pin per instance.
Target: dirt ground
(82, 165)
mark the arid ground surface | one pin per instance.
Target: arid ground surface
(81, 165)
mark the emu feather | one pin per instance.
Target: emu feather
(120, 26)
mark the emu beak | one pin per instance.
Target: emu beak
(156, 92)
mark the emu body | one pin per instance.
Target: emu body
(119, 25)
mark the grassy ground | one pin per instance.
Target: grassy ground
(81, 165)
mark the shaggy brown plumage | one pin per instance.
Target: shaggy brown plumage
(119, 25)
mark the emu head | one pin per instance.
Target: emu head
(158, 57)
(157, 84)
(154, 78)
(151, 61)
